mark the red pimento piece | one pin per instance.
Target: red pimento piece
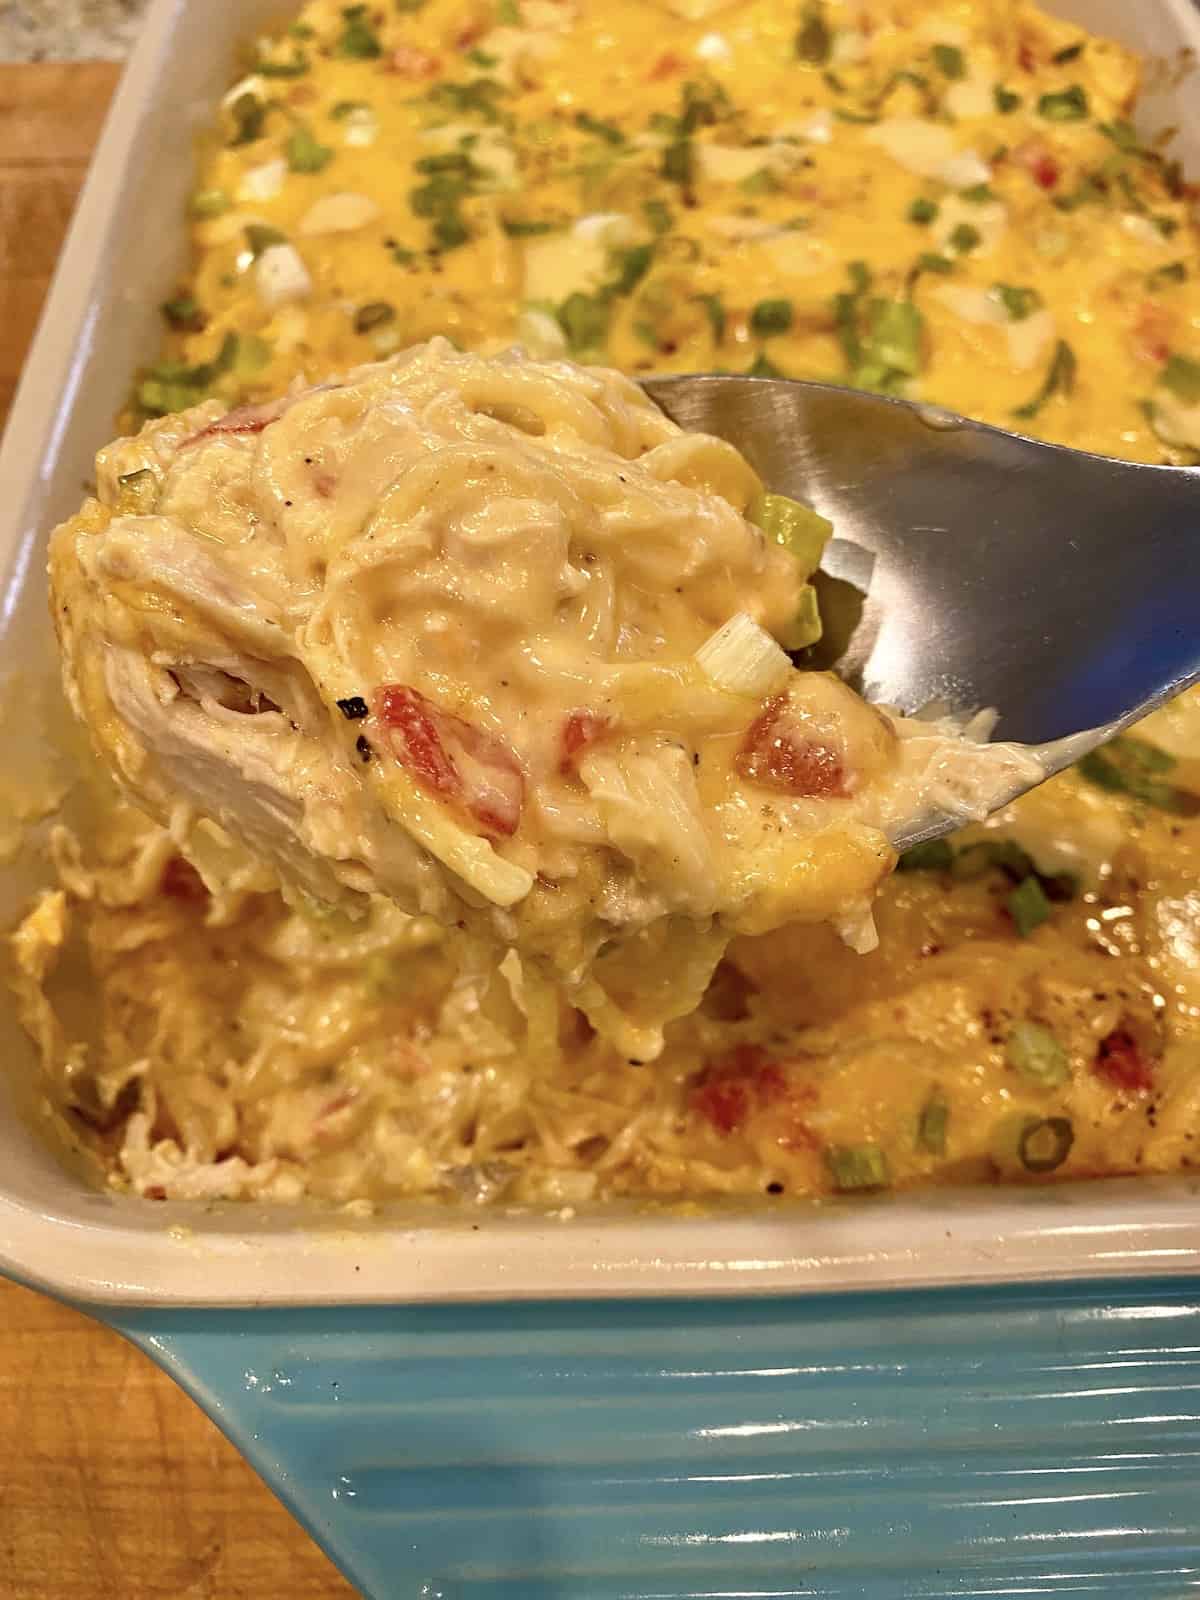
(1152, 333)
(665, 67)
(1039, 161)
(181, 881)
(780, 754)
(453, 758)
(1119, 1060)
(409, 62)
(581, 729)
(734, 1085)
(1026, 59)
(243, 419)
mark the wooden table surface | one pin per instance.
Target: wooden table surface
(113, 1486)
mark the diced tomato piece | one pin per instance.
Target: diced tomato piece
(181, 881)
(581, 729)
(453, 758)
(734, 1085)
(665, 67)
(1119, 1059)
(779, 753)
(410, 62)
(1026, 59)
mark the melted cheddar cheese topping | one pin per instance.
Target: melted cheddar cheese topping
(946, 201)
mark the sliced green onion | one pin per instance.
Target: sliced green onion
(761, 182)
(923, 211)
(348, 108)
(658, 215)
(979, 194)
(1005, 100)
(927, 261)
(949, 61)
(584, 318)
(857, 1166)
(1070, 52)
(715, 312)
(183, 312)
(932, 1124)
(159, 398)
(763, 367)
(632, 266)
(1173, 272)
(508, 13)
(770, 317)
(521, 228)
(210, 202)
(1019, 301)
(1037, 1055)
(1060, 379)
(249, 115)
(743, 658)
(1028, 906)
(704, 105)
(1045, 1144)
(807, 626)
(138, 492)
(261, 236)
(1069, 105)
(1123, 134)
(1139, 770)
(358, 41)
(965, 237)
(894, 335)
(1182, 377)
(599, 129)
(814, 42)
(988, 855)
(932, 855)
(373, 315)
(305, 153)
(798, 528)
(450, 231)
(677, 164)
(295, 68)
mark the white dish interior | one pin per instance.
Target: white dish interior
(124, 249)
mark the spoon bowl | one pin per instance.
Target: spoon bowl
(1060, 588)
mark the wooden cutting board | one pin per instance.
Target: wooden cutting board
(113, 1485)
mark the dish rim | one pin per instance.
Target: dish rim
(102, 1248)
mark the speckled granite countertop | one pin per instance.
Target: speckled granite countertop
(67, 30)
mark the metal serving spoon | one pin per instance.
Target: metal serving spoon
(1060, 588)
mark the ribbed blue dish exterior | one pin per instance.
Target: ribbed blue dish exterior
(1029, 1441)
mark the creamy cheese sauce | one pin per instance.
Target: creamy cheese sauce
(493, 639)
(944, 202)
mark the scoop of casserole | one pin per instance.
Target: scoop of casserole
(494, 639)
